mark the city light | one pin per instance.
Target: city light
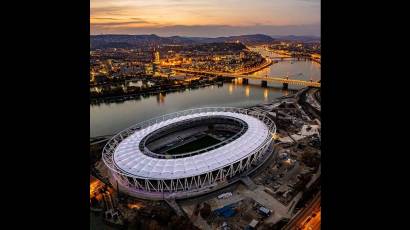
(150, 75)
(136, 205)
(94, 187)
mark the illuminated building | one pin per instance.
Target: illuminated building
(142, 170)
(156, 58)
(149, 69)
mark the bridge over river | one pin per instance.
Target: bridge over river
(285, 80)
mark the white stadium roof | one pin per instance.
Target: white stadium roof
(130, 159)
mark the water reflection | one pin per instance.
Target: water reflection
(113, 115)
(302, 70)
(230, 89)
(239, 81)
(265, 94)
(161, 98)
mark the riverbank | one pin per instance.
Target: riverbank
(133, 92)
(266, 63)
(261, 67)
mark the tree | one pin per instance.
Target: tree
(164, 216)
(196, 209)
(280, 224)
(94, 202)
(205, 211)
(153, 225)
(310, 158)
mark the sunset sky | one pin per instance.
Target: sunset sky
(210, 18)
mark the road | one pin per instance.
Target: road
(307, 219)
(310, 110)
(314, 223)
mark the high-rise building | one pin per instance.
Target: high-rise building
(155, 63)
(149, 69)
(156, 57)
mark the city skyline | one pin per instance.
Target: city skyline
(205, 18)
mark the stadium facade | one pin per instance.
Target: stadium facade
(141, 167)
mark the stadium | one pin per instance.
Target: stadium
(188, 153)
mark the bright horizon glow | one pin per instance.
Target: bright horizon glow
(209, 18)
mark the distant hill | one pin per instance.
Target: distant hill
(297, 38)
(124, 41)
(132, 41)
(255, 38)
(246, 39)
(217, 47)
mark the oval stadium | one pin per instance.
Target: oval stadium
(188, 153)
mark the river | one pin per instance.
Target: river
(110, 118)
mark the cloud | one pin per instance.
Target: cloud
(310, 1)
(108, 24)
(113, 11)
(115, 23)
(97, 18)
(199, 17)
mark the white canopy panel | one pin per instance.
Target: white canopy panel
(129, 157)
